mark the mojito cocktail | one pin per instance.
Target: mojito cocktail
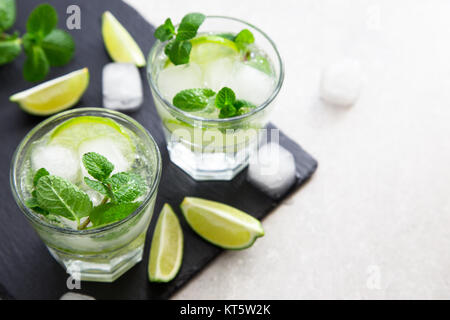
(213, 88)
(87, 180)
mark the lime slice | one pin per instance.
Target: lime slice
(55, 95)
(75, 131)
(119, 43)
(166, 253)
(220, 224)
(209, 48)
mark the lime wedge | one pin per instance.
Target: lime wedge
(209, 48)
(220, 224)
(55, 95)
(166, 253)
(72, 133)
(119, 43)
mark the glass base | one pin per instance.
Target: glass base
(207, 166)
(103, 267)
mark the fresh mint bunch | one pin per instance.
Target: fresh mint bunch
(57, 196)
(179, 46)
(198, 99)
(44, 45)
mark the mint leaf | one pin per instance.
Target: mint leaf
(179, 52)
(7, 14)
(9, 49)
(125, 187)
(97, 186)
(244, 38)
(42, 20)
(165, 31)
(189, 26)
(227, 111)
(192, 99)
(112, 212)
(39, 174)
(36, 65)
(228, 36)
(61, 197)
(97, 165)
(225, 97)
(59, 47)
(238, 104)
(261, 63)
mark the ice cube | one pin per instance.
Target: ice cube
(108, 148)
(218, 73)
(341, 83)
(122, 86)
(58, 160)
(173, 79)
(251, 84)
(75, 296)
(272, 169)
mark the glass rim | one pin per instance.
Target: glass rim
(260, 107)
(34, 217)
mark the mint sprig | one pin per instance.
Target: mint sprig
(43, 43)
(58, 196)
(191, 100)
(179, 48)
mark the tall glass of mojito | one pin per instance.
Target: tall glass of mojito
(87, 180)
(214, 80)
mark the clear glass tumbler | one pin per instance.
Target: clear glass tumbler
(104, 253)
(214, 149)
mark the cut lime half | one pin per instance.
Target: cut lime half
(220, 224)
(119, 43)
(55, 95)
(72, 133)
(166, 253)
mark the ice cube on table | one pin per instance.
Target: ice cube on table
(75, 296)
(272, 169)
(341, 83)
(122, 86)
(108, 148)
(173, 79)
(58, 160)
(217, 74)
(251, 84)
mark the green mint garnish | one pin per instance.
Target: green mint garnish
(189, 26)
(125, 187)
(165, 31)
(44, 44)
(192, 99)
(111, 212)
(244, 38)
(179, 48)
(39, 174)
(97, 165)
(59, 197)
(7, 14)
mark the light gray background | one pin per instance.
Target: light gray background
(374, 222)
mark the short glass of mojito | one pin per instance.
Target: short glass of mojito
(214, 106)
(87, 180)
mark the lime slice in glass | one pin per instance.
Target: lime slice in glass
(55, 95)
(119, 43)
(166, 253)
(75, 131)
(220, 224)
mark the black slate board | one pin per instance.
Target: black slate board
(26, 269)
